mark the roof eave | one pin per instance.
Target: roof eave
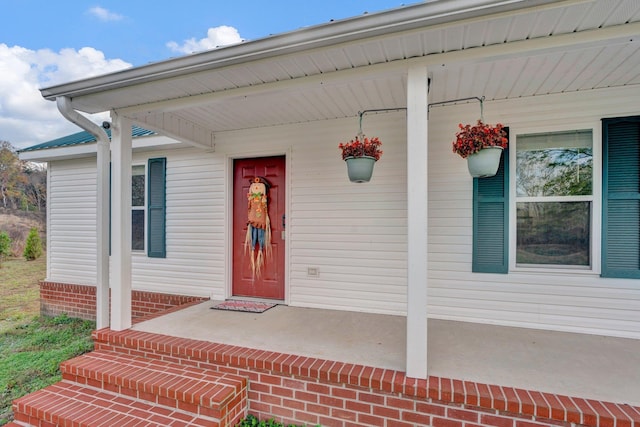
(342, 31)
(88, 149)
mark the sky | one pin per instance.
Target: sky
(45, 43)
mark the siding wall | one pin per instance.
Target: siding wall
(195, 228)
(544, 298)
(71, 217)
(355, 234)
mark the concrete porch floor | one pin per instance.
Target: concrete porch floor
(580, 365)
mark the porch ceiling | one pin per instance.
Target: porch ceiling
(496, 49)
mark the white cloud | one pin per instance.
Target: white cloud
(25, 117)
(104, 15)
(216, 37)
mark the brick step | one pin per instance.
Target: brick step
(187, 388)
(68, 404)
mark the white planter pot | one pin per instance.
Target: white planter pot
(360, 169)
(484, 163)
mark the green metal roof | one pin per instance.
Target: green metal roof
(83, 137)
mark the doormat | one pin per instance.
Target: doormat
(246, 306)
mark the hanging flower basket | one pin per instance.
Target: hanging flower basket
(472, 143)
(361, 154)
(484, 163)
(360, 168)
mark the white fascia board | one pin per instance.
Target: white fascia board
(362, 27)
(60, 153)
(89, 149)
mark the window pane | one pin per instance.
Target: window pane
(554, 164)
(137, 186)
(554, 233)
(137, 230)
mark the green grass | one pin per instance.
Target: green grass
(32, 347)
(20, 290)
(252, 421)
(31, 353)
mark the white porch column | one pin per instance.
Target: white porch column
(102, 285)
(120, 223)
(417, 141)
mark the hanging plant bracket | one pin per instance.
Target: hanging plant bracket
(361, 153)
(375, 110)
(480, 99)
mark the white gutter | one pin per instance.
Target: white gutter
(102, 211)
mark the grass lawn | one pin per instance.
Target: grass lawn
(19, 290)
(31, 347)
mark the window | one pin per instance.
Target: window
(148, 208)
(556, 222)
(137, 207)
(554, 199)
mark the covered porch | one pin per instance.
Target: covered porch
(569, 364)
(411, 58)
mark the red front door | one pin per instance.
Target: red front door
(270, 281)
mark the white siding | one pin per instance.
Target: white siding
(568, 301)
(355, 234)
(71, 231)
(195, 228)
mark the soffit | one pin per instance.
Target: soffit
(232, 97)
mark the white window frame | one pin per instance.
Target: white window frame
(595, 198)
(143, 208)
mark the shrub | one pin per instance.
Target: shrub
(5, 246)
(33, 247)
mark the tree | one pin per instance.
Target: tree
(35, 187)
(5, 246)
(33, 247)
(12, 178)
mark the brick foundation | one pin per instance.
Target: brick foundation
(299, 389)
(79, 301)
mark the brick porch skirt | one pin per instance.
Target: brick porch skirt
(299, 389)
(79, 301)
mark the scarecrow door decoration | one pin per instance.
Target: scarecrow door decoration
(257, 242)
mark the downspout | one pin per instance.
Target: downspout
(102, 204)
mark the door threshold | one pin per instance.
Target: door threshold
(254, 299)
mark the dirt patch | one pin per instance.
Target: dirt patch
(17, 224)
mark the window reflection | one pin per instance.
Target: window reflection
(554, 189)
(554, 233)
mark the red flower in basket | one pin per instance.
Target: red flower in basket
(471, 139)
(361, 146)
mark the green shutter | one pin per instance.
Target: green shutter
(156, 205)
(491, 221)
(621, 197)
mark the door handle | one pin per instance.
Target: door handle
(284, 221)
